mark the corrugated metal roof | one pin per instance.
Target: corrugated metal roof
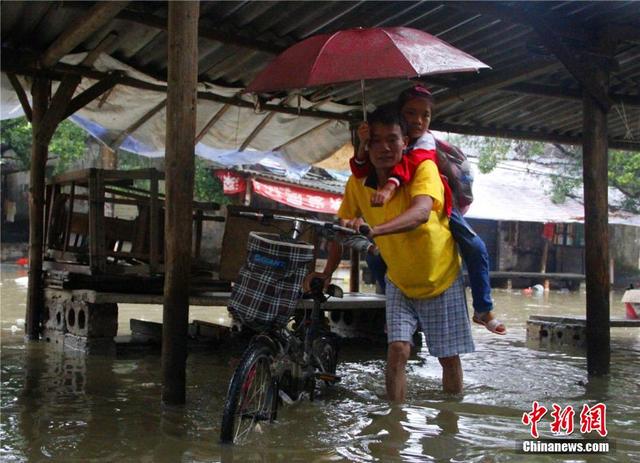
(239, 37)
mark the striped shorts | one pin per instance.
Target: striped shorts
(444, 320)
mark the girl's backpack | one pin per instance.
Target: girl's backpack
(454, 165)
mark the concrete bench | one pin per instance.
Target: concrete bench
(563, 331)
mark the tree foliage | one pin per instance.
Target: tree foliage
(206, 186)
(624, 166)
(69, 144)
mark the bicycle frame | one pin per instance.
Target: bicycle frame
(301, 355)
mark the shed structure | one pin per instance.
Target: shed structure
(565, 72)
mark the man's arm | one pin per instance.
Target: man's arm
(334, 255)
(416, 215)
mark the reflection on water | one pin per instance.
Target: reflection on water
(62, 407)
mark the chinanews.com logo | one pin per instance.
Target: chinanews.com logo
(593, 420)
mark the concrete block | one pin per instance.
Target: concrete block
(55, 313)
(548, 334)
(53, 336)
(92, 320)
(89, 346)
(363, 324)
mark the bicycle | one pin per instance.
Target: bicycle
(283, 358)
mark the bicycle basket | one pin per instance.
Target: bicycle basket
(269, 283)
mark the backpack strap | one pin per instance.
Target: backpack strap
(426, 149)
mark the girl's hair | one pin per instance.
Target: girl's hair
(417, 91)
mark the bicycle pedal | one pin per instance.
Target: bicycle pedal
(328, 377)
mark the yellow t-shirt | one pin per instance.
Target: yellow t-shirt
(423, 262)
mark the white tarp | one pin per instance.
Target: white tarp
(126, 105)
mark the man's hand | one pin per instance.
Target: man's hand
(306, 283)
(363, 136)
(355, 224)
(363, 133)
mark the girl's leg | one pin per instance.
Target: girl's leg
(378, 269)
(476, 258)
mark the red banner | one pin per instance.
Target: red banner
(298, 197)
(232, 183)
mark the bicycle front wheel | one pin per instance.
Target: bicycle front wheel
(252, 394)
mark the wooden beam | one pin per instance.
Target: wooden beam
(137, 124)
(206, 30)
(625, 145)
(91, 94)
(179, 167)
(57, 108)
(566, 93)
(549, 30)
(495, 80)
(263, 123)
(11, 62)
(623, 33)
(98, 16)
(303, 134)
(40, 92)
(102, 47)
(216, 117)
(581, 71)
(596, 226)
(22, 95)
(565, 26)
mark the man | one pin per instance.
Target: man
(411, 230)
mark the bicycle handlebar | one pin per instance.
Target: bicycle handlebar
(288, 218)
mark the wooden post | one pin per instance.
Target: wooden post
(596, 231)
(179, 165)
(198, 245)
(154, 224)
(108, 158)
(40, 93)
(543, 262)
(97, 240)
(354, 277)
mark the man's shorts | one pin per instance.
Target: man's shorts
(444, 320)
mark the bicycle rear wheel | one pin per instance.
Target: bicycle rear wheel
(252, 394)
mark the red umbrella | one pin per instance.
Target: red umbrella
(359, 54)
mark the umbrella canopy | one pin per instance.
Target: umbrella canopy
(359, 54)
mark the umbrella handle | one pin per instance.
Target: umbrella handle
(364, 102)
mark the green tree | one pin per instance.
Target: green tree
(206, 186)
(16, 133)
(68, 143)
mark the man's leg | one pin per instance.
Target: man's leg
(401, 324)
(447, 331)
(451, 374)
(396, 376)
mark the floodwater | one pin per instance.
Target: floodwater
(61, 407)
